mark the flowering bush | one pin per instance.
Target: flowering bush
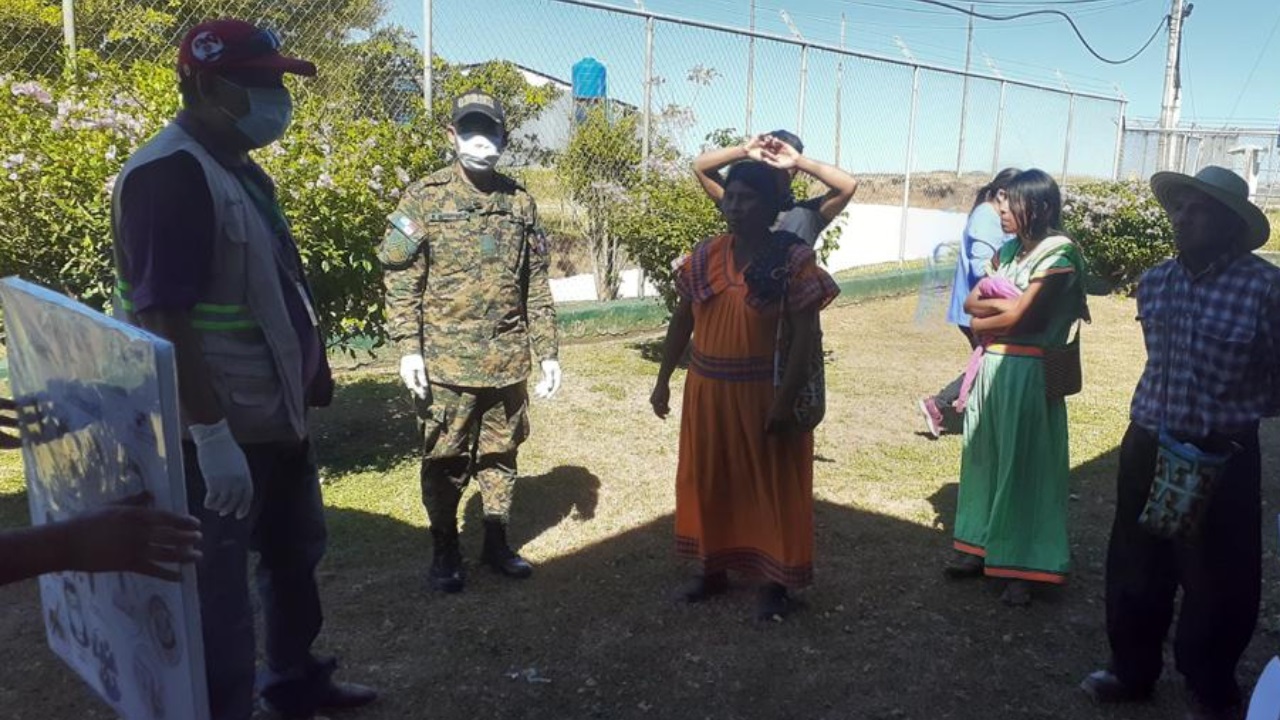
(63, 147)
(1120, 227)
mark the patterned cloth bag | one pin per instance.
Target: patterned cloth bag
(1180, 492)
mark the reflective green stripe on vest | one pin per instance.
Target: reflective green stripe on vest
(204, 316)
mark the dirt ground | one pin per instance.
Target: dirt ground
(594, 634)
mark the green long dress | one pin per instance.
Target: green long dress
(1012, 509)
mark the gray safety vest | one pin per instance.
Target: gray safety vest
(249, 342)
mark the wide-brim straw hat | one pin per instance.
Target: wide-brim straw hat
(1222, 185)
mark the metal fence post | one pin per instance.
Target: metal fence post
(995, 156)
(1066, 143)
(646, 117)
(751, 71)
(69, 36)
(428, 72)
(911, 151)
(804, 85)
(1119, 154)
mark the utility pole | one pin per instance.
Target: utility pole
(839, 87)
(751, 70)
(964, 94)
(1171, 104)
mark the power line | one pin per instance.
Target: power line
(1036, 2)
(1058, 13)
(1257, 61)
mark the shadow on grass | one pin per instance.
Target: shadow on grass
(14, 511)
(542, 502)
(370, 426)
(880, 634)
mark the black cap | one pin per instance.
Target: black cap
(478, 101)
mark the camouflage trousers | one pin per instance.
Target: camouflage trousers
(472, 432)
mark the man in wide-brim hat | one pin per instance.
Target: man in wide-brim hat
(1211, 320)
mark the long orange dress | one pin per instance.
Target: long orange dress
(744, 498)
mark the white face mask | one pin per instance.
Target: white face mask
(479, 152)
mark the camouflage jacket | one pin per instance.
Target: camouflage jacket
(466, 280)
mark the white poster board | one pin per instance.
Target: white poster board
(98, 409)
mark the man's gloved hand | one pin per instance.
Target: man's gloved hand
(550, 380)
(228, 484)
(413, 371)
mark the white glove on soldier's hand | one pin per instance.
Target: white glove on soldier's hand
(413, 371)
(550, 380)
(228, 484)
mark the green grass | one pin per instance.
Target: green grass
(880, 635)
(1273, 245)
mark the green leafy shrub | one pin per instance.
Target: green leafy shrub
(1120, 227)
(667, 215)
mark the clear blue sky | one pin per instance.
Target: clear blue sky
(1231, 68)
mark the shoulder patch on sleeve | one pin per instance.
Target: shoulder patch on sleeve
(402, 240)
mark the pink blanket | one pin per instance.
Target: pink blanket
(989, 288)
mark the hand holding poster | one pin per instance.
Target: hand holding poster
(98, 415)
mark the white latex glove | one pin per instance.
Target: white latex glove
(550, 380)
(413, 371)
(228, 484)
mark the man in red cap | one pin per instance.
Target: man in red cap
(205, 258)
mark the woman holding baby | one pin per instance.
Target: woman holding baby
(1011, 519)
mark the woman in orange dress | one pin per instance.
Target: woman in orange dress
(744, 487)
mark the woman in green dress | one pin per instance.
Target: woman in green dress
(1011, 519)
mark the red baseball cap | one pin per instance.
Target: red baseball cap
(222, 45)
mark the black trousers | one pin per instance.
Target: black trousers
(286, 528)
(1220, 574)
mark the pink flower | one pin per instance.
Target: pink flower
(32, 90)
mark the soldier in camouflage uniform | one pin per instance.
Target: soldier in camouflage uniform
(468, 307)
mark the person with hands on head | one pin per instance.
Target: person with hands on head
(205, 258)
(469, 308)
(783, 151)
(127, 537)
(744, 486)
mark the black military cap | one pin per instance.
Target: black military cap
(477, 101)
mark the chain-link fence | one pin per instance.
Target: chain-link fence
(366, 48)
(605, 99)
(686, 80)
(1250, 151)
(859, 111)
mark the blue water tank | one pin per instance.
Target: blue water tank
(589, 81)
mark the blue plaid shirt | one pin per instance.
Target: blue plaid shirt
(1222, 329)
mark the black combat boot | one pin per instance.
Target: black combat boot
(446, 573)
(499, 555)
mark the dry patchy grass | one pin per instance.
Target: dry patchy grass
(880, 635)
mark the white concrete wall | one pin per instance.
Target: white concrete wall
(871, 234)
